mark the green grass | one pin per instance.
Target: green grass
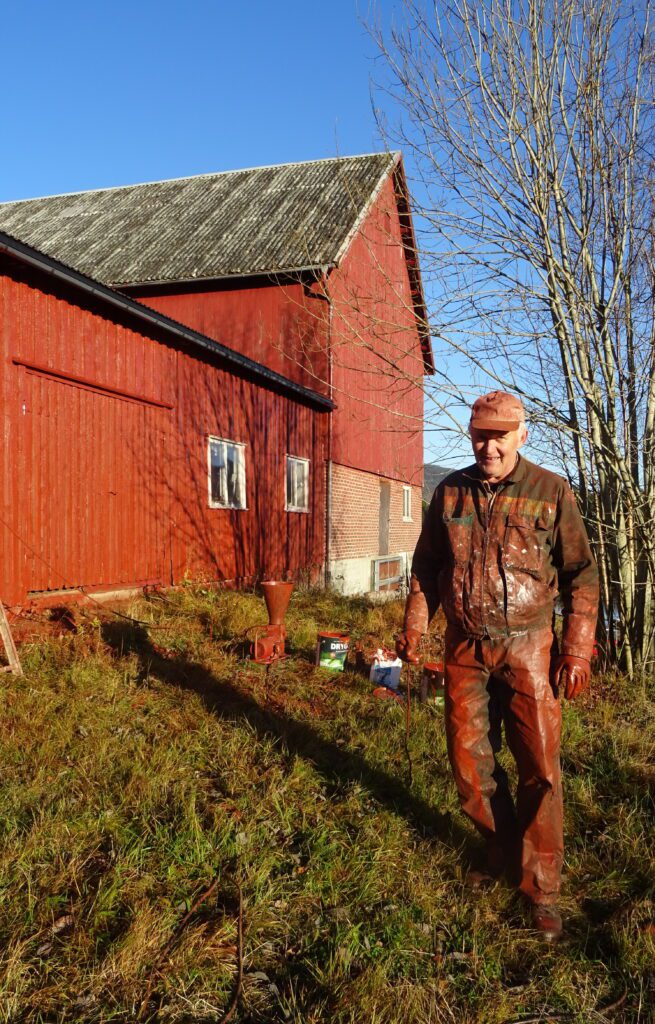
(141, 762)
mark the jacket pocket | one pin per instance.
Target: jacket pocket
(525, 546)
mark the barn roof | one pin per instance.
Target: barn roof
(95, 290)
(284, 218)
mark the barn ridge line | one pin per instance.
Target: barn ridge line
(392, 154)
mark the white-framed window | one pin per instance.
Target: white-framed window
(387, 573)
(227, 473)
(297, 484)
(407, 503)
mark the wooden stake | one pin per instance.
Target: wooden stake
(10, 647)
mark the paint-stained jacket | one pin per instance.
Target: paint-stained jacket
(496, 558)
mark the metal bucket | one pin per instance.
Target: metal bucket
(331, 650)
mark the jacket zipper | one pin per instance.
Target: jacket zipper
(490, 496)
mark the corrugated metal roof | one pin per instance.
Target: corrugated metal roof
(263, 220)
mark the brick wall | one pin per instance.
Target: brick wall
(402, 535)
(355, 520)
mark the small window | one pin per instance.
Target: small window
(297, 484)
(227, 474)
(407, 503)
(387, 574)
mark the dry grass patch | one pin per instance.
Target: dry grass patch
(143, 762)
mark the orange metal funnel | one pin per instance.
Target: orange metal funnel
(277, 596)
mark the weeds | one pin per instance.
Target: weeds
(142, 761)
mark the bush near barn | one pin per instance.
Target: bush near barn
(187, 836)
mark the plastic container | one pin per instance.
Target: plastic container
(331, 650)
(385, 669)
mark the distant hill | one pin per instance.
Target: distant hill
(432, 474)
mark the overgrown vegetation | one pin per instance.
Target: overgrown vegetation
(529, 129)
(144, 762)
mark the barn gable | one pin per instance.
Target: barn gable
(286, 219)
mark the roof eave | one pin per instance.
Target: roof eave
(41, 261)
(413, 269)
(314, 269)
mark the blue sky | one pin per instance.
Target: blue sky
(100, 94)
(107, 94)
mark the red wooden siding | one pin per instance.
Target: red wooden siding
(90, 521)
(275, 323)
(377, 359)
(270, 425)
(105, 477)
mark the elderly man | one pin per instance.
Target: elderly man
(501, 541)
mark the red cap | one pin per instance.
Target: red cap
(497, 411)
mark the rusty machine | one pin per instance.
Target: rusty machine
(267, 642)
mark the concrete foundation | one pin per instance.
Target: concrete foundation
(357, 575)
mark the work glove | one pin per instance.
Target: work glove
(406, 645)
(570, 672)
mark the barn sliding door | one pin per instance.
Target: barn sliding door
(96, 504)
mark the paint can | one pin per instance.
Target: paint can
(331, 650)
(432, 684)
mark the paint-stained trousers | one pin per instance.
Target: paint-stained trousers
(506, 681)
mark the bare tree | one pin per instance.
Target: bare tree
(529, 124)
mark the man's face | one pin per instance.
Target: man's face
(495, 450)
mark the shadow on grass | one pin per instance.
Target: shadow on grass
(589, 937)
(336, 764)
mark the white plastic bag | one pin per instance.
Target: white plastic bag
(385, 670)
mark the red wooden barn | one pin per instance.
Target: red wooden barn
(310, 270)
(136, 450)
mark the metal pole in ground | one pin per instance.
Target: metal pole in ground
(408, 720)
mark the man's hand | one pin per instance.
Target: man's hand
(406, 645)
(570, 672)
